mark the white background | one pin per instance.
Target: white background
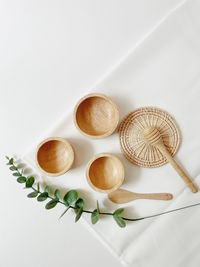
(51, 53)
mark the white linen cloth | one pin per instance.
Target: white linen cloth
(163, 71)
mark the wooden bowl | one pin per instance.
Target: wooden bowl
(54, 156)
(105, 173)
(96, 116)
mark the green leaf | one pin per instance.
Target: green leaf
(10, 161)
(51, 204)
(47, 189)
(79, 203)
(57, 194)
(21, 179)
(17, 174)
(95, 216)
(78, 214)
(30, 181)
(13, 168)
(117, 215)
(32, 194)
(120, 221)
(64, 212)
(79, 208)
(42, 197)
(118, 212)
(70, 197)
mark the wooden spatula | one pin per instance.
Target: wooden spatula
(123, 196)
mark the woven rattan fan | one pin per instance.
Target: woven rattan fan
(150, 138)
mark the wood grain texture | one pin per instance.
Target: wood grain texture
(54, 156)
(105, 173)
(154, 138)
(96, 116)
(121, 196)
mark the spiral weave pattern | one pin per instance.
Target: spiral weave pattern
(133, 143)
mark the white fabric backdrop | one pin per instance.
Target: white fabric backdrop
(162, 71)
(48, 50)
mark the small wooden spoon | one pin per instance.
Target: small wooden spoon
(123, 196)
(153, 137)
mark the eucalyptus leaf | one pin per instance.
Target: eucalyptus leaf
(47, 189)
(30, 181)
(78, 212)
(118, 211)
(79, 203)
(51, 204)
(57, 194)
(95, 216)
(13, 168)
(117, 215)
(120, 221)
(70, 197)
(42, 197)
(17, 174)
(21, 179)
(11, 161)
(32, 194)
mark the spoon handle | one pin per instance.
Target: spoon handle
(155, 196)
(177, 167)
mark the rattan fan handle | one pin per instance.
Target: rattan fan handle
(177, 167)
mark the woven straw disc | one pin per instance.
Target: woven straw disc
(135, 148)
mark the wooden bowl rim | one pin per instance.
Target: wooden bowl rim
(71, 151)
(101, 155)
(100, 96)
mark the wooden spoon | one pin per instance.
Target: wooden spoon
(153, 137)
(123, 196)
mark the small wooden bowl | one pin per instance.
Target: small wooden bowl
(105, 173)
(54, 156)
(96, 116)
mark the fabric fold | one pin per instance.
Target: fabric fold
(162, 71)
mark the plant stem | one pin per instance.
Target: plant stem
(162, 213)
(109, 213)
(125, 218)
(71, 207)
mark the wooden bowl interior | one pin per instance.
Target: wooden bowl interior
(55, 156)
(106, 173)
(97, 116)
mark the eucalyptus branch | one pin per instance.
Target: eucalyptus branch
(72, 201)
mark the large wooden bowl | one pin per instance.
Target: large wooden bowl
(105, 173)
(54, 156)
(96, 116)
